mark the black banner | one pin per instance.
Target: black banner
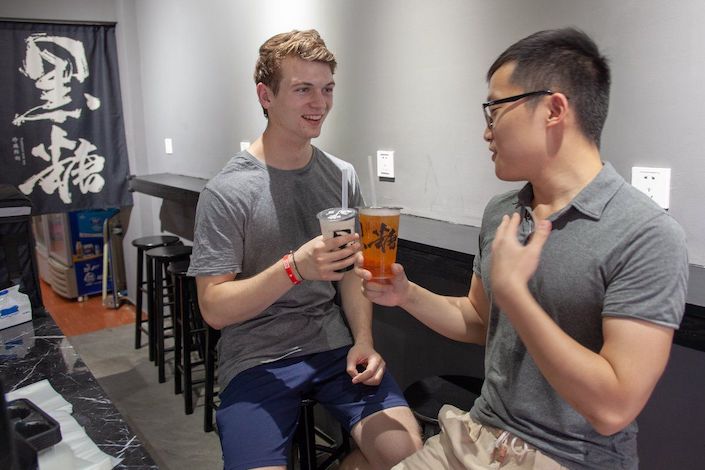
(62, 137)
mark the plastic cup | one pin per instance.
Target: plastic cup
(337, 221)
(379, 229)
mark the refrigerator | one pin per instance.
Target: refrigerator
(73, 251)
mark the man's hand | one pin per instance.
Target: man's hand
(365, 365)
(390, 294)
(512, 263)
(320, 258)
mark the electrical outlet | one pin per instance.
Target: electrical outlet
(168, 146)
(385, 164)
(654, 182)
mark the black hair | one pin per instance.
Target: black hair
(568, 61)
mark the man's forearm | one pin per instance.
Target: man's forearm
(452, 317)
(357, 309)
(235, 301)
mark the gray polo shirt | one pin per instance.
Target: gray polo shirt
(612, 252)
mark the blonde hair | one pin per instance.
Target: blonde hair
(307, 45)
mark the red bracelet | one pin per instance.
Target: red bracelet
(289, 271)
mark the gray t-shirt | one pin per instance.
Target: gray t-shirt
(612, 252)
(248, 217)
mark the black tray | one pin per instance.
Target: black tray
(33, 429)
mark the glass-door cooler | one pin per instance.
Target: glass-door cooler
(75, 251)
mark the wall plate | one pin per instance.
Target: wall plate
(385, 164)
(654, 182)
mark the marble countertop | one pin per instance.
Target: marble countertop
(38, 350)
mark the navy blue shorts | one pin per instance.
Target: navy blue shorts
(259, 408)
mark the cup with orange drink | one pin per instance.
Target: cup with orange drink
(379, 229)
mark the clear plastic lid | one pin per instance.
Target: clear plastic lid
(337, 213)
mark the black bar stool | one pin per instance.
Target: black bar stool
(209, 393)
(143, 244)
(177, 270)
(189, 333)
(428, 395)
(158, 260)
(307, 435)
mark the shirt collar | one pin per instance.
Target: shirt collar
(593, 198)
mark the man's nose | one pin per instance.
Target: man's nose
(318, 100)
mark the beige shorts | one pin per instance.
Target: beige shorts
(465, 444)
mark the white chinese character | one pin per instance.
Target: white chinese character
(52, 62)
(81, 169)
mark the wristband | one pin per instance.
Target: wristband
(289, 271)
(296, 267)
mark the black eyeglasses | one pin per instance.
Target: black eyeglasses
(486, 106)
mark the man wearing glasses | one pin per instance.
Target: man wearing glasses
(578, 285)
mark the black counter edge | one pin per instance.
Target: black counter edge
(172, 193)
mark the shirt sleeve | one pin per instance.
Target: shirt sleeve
(218, 238)
(648, 280)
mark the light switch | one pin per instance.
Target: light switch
(168, 146)
(385, 164)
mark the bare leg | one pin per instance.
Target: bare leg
(384, 439)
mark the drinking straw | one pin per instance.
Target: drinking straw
(344, 185)
(373, 202)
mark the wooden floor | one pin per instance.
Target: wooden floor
(76, 318)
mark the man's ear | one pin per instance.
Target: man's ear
(558, 108)
(264, 95)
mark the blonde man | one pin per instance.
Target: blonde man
(266, 279)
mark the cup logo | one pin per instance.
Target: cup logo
(345, 231)
(386, 238)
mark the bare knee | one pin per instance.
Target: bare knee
(387, 437)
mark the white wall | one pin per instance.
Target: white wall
(410, 79)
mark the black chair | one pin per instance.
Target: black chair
(312, 444)
(143, 244)
(158, 260)
(428, 395)
(192, 333)
(189, 333)
(209, 393)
